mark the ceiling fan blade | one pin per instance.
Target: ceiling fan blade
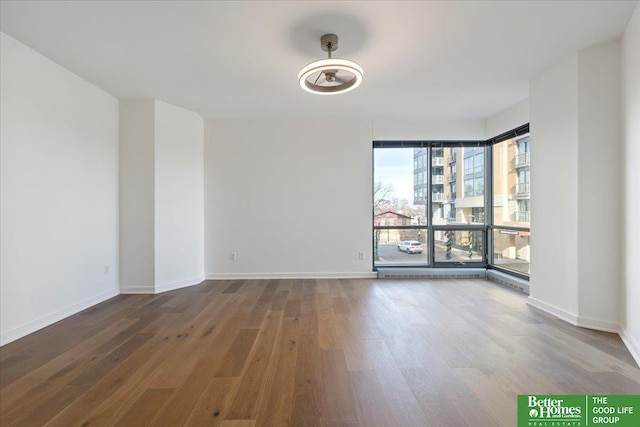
(317, 78)
(341, 80)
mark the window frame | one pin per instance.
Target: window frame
(487, 227)
(429, 227)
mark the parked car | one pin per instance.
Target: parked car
(410, 247)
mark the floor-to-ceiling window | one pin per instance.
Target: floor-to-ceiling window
(429, 204)
(400, 194)
(453, 204)
(511, 204)
(458, 220)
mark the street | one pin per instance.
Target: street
(390, 255)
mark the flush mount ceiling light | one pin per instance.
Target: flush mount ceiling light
(332, 75)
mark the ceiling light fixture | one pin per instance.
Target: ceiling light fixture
(332, 75)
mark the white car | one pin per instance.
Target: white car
(410, 247)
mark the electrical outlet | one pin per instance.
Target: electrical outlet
(361, 255)
(106, 269)
(233, 256)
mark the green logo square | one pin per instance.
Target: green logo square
(536, 410)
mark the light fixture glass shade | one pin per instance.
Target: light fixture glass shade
(330, 76)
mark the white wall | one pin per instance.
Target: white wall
(161, 198)
(179, 197)
(292, 199)
(59, 187)
(575, 126)
(434, 130)
(137, 199)
(511, 118)
(554, 216)
(598, 158)
(630, 321)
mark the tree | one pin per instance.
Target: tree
(450, 234)
(381, 201)
(382, 196)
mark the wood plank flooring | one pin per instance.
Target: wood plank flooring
(305, 353)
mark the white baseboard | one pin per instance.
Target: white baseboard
(574, 319)
(150, 289)
(179, 284)
(567, 316)
(598, 324)
(44, 321)
(144, 289)
(632, 345)
(257, 276)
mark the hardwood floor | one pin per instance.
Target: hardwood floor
(305, 353)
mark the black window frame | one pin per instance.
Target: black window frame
(486, 228)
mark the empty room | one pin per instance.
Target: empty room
(320, 213)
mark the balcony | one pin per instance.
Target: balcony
(438, 179)
(451, 159)
(452, 197)
(522, 160)
(437, 197)
(451, 178)
(522, 216)
(522, 189)
(437, 161)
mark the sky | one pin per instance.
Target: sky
(395, 166)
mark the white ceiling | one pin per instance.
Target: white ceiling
(240, 59)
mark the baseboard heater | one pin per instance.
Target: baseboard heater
(432, 273)
(455, 273)
(509, 281)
